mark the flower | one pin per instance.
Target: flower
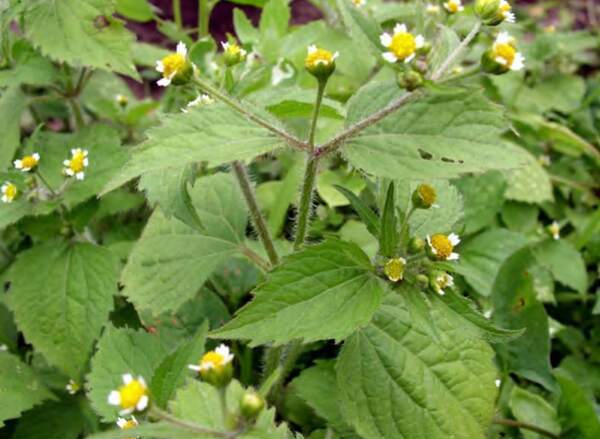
(359, 3)
(424, 197)
(432, 9)
(200, 100)
(175, 68)
(126, 424)
(554, 230)
(505, 10)
(402, 44)
(28, 162)
(215, 366)
(453, 6)
(394, 269)
(122, 100)
(232, 53)
(320, 62)
(494, 12)
(503, 56)
(72, 387)
(442, 246)
(76, 166)
(9, 192)
(439, 281)
(132, 395)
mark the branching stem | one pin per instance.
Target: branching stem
(525, 426)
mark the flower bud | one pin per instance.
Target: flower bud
(410, 80)
(394, 269)
(424, 196)
(232, 54)
(251, 404)
(121, 100)
(439, 281)
(320, 62)
(215, 367)
(175, 68)
(494, 12)
(423, 280)
(416, 245)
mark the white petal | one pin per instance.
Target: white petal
(6, 199)
(159, 66)
(181, 49)
(127, 378)
(69, 172)
(453, 257)
(312, 49)
(194, 367)
(86, 162)
(400, 28)
(18, 164)
(126, 411)
(335, 55)
(80, 176)
(385, 39)
(163, 82)
(518, 62)
(114, 398)
(441, 292)
(121, 422)
(142, 381)
(142, 403)
(419, 41)
(390, 57)
(410, 58)
(503, 38)
(67, 162)
(224, 45)
(449, 280)
(454, 239)
(501, 60)
(36, 156)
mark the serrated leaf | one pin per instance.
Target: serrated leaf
(12, 104)
(389, 237)
(362, 27)
(80, 32)
(576, 413)
(534, 410)
(213, 133)
(397, 381)
(565, 263)
(52, 420)
(323, 292)
(120, 351)
(61, 295)
(20, 388)
(529, 183)
(169, 264)
(159, 430)
(438, 136)
(173, 370)
(365, 213)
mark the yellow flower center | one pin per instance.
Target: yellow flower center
(233, 49)
(172, 64)
(394, 269)
(29, 161)
(452, 6)
(506, 52)
(403, 45)
(10, 191)
(131, 394)
(212, 357)
(129, 424)
(442, 281)
(427, 194)
(442, 246)
(505, 7)
(319, 56)
(77, 162)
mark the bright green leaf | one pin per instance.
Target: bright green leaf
(535, 410)
(565, 263)
(12, 104)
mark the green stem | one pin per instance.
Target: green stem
(204, 11)
(304, 208)
(177, 13)
(457, 51)
(46, 184)
(76, 109)
(158, 413)
(257, 218)
(315, 117)
(525, 426)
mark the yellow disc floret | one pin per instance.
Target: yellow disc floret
(394, 269)
(175, 68)
(172, 64)
(131, 394)
(505, 51)
(442, 245)
(28, 162)
(215, 366)
(403, 45)
(75, 166)
(9, 192)
(320, 62)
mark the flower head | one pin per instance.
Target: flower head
(200, 101)
(394, 269)
(320, 62)
(232, 53)
(503, 55)
(359, 3)
(439, 281)
(175, 68)
(554, 230)
(9, 192)
(215, 366)
(131, 396)
(441, 246)
(424, 196)
(72, 387)
(28, 162)
(75, 167)
(122, 100)
(402, 44)
(494, 12)
(126, 424)
(453, 6)
(432, 9)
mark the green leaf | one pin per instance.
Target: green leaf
(158, 430)
(20, 386)
(362, 27)
(576, 413)
(388, 240)
(535, 410)
(273, 26)
(61, 295)
(529, 183)
(31, 68)
(173, 370)
(439, 136)
(120, 351)
(244, 28)
(213, 133)
(329, 179)
(317, 386)
(221, 207)
(365, 213)
(12, 104)
(516, 307)
(323, 292)
(52, 420)
(105, 154)
(565, 263)
(482, 257)
(80, 32)
(398, 381)
(137, 10)
(169, 264)
(446, 41)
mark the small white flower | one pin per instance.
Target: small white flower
(28, 162)
(9, 192)
(554, 230)
(443, 281)
(75, 167)
(432, 9)
(402, 44)
(453, 6)
(318, 56)
(133, 395)
(126, 424)
(506, 11)
(359, 3)
(505, 54)
(220, 357)
(498, 382)
(72, 387)
(172, 64)
(442, 246)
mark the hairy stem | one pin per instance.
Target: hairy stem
(304, 208)
(457, 51)
(177, 14)
(315, 117)
(160, 414)
(77, 113)
(257, 218)
(525, 426)
(204, 11)
(256, 258)
(240, 108)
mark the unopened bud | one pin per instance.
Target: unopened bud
(416, 245)
(251, 404)
(424, 196)
(394, 269)
(320, 62)
(410, 80)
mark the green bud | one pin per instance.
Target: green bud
(410, 80)
(233, 54)
(320, 62)
(489, 12)
(422, 280)
(416, 245)
(440, 281)
(251, 404)
(184, 75)
(424, 196)
(490, 65)
(394, 269)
